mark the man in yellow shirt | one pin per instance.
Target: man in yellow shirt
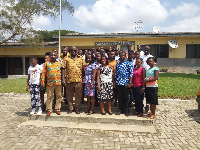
(73, 66)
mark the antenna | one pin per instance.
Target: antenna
(156, 29)
(138, 25)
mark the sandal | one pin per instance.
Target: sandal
(87, 110)
(136, 113)
(140, 115)
(91, 112)
(151, 117)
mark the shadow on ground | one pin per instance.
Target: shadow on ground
(194, 114)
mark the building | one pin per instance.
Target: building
(14, 57)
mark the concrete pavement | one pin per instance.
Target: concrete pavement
(177, 127)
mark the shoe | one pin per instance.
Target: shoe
(136, 113)
(87, 110)
(118, 113)
(32, 112)
(127, 114)
(91, 112)
(48, 113)
(77, 111)
(69, 112)
(44, 108)
(58, 112)
(39, 112)
(140, 115)
(147, 108)
(103, 113)
(110, 113)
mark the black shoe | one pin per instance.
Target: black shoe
(118, 113)
(44, 108)
(77, 111)
(110, 113)
(127, 114)
(103, 113)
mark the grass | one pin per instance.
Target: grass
(171, 85)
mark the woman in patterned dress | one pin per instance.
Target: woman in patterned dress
(105, 85)
(89, 80)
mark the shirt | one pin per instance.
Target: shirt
(150, 74)
(35, 74)
(53, 73)
(73, 68)
(112, 64)
(123, 72)
(88, 73)
(144, 63)
(137, 77)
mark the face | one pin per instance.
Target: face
(98, 57)
(46, 58)
(150, 62)
(65, 50)
(130, 56)
(89, 59)
(122, 56)
(55, 50)
(92, 50)
(73, 51)
(80, 52)
(85, 52)
(103, 61)
(129, 47)
(146, 50)
(34, 61)
(53, 56)
(110, 49)
(138, 63)
(102, 51)
(112, 55)
(137, 55)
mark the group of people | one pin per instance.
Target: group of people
(122, 76)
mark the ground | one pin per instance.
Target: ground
(177, 127)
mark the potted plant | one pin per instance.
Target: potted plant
(163, 69)
(198, 71)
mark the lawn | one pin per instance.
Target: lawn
(171, 85)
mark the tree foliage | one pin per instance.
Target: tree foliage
(17, 16)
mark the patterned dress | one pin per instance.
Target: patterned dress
(106, 84)
(87, 80)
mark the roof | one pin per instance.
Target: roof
(19, 44)
(141, 34)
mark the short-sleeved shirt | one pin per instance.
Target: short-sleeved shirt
(53, 73)
(150, 74)
(123, 72)
(88, 73)
(112, 64)
(73, 68)
(144, 63)
(137, 77)
(35, 74)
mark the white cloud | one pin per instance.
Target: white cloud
(185, 25)
(185, 10)
(41, 21)
(120, 16)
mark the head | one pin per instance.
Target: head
(110, 49)
(89, 58)
(146, 50)
(85, 51)
(65, 51)
(104, 60)
(112, 55)
(89, 52)
(137, 54)
(55, 50)
(53, 56)
(73, 51)
(122, 56)
(98, 57)
(33, 61)
(93, 50)
(102, 51)
(47, 56)
(130, 54)
(139, 48)
(139, 62)
(129, 46)
(151, 61)
(80, 52)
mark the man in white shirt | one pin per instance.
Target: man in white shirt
(145, 57)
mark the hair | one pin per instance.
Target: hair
(93, 58)
(122, 52)
(47, 53)
(131, 51)
(140, 59)
(34, 57)
(106, 59)
(153, 58)
(137, 51)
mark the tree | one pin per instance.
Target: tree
(17, 16)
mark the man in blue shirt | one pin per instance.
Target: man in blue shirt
(123, 79)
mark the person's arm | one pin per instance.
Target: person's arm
(98, 80)
(63, 77)
(44, 70)
(93, 78)
(27, 85)
(130, 75)
(156, 74)
(143, 76)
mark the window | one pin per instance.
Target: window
(159, 51)
(192, 50)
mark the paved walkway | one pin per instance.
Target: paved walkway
(177, 126)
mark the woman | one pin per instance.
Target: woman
(105, 85)
(151, 86)
(138, 92)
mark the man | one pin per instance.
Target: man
(51, 69)
(145, 57)
(73, 66)
(123, 80)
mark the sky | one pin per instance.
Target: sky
(121, 16)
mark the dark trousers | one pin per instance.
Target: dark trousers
(139, 96)
(123, 98)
